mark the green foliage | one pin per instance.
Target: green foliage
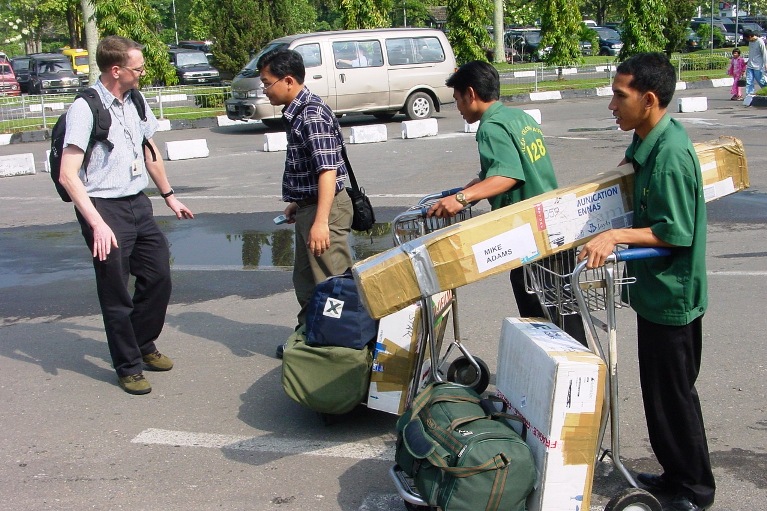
(136, 20)
(678, 14)
(466, 28)
(704, 32)
(642, 27)
(520, 13)
(357, 14)
(242, 27)
(416, 12)
(213, 98)
(560, 28)
(602, 10)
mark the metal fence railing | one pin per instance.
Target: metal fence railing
(30, 112)
(538, 77)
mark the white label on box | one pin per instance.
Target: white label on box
(581, 393)
(708, 166)
(719, 189)
(518, 243)
(570, 218)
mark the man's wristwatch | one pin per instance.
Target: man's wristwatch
(166, 195)
(460, 197)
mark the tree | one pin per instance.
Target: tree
(365, 13)
(560, 29)
(520, 13)
(600, 10)
(642, 27)
(242, 27)
(135, 19)
(678, 15)
(467, 28)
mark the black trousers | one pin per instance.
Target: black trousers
(530, 307)
(669, 362)
(132, 323)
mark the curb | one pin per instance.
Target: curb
(530, 97)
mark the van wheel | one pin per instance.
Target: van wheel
(419, 106)
(384, 116)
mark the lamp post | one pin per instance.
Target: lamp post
(175, 25)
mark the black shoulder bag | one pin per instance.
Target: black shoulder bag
(364, 216)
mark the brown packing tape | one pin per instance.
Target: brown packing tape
(580, 435)
(398, 363)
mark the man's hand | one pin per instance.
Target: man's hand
(319, 238)
(598, 249)
(181, 211)
(104, 240)
(445, 208)
(290, 212)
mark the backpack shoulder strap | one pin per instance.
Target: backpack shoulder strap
(102, 120)
(138, 101)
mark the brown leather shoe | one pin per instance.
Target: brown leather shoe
(134, 384)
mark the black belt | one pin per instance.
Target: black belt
(307, 202)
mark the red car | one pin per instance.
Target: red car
(8, 84)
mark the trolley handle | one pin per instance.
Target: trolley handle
(452, 191)
(633, 254)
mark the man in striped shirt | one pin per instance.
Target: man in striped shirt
(313, 183)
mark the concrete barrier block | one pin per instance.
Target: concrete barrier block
(17, 165)
(368, 134)
(721, 82)
(696, 104)
(569, 70)
(277, 141)
(470, 127)
(163, 124)
(681, 86)
(604, 69)
(5, 138)
(544, 96)
(419, 128)
(170, 98)
(524, 74)
(604, 91)
(47, 167)
(186, 149)
(535, 114)
(223, 120)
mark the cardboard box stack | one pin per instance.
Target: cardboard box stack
(400, 336)
(512, 236)
(557, 386)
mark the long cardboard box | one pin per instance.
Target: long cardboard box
(401, 337)
(509, 237)
(557, 386)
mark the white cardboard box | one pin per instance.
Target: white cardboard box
(557, 386)
(394, 361)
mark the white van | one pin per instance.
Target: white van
(380, 72)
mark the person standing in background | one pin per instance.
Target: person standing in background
(757, 61)
(737, 70)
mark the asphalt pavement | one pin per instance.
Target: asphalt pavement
(218, 432)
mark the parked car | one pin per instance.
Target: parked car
(193, 68)
(692, 41)
(405, 71)
(52, 73)
(203, 46)
(20, 67)
(729, 38)
(586, 48)
(9, 86)
(527, 43)
(79, 60)
(738, 28)
(609, 41)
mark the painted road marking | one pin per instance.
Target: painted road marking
(354, 450)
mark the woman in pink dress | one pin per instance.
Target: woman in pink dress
(737, 70)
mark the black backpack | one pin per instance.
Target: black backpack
(102, 120)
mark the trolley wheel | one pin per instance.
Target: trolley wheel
(633, 499)
(461, 371)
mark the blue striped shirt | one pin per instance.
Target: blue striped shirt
(314, 146)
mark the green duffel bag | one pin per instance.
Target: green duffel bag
(463, 456)
(326, 379)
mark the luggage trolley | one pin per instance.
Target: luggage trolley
(465, 369)
(590, 291)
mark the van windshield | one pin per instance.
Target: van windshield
(250, 68)
(195, 58)
(82, 60)
(55, 66)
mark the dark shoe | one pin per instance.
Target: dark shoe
(280, 351)
(654, 483)
(158, 362)
(134, 384)
(683, 504)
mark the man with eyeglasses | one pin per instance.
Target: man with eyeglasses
(116, 217)
(313, 183)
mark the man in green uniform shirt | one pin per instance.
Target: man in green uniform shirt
(514, 165)
(670, 294)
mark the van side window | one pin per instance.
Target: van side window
(414, 50)
(348, 54)
(310, 53)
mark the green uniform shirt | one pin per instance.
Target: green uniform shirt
(511, 144)
(668, 198)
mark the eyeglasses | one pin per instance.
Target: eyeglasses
(267, 87)
(139, 69)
